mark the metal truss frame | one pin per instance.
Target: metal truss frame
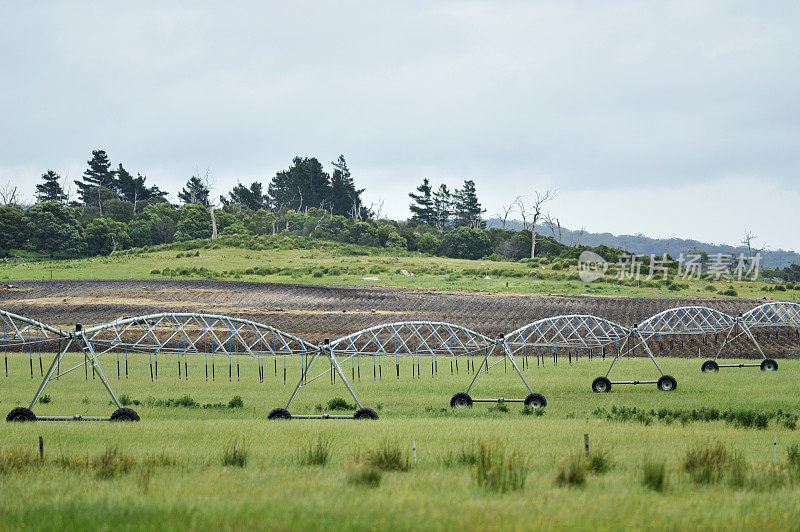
(177, 333)
(437, 340)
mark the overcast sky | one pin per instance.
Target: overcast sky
(662, 118)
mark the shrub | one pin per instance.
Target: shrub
(572, 471)
(364, 475)
(316, 453)
(706, 464)
(236, 402)
(497, 470)
(528, 411)
(793, 456)
(388, 457)
(337, 403)
(234, 456)
(501, 406)
(654, 474)
(155, 272)
(44, 399)
(428, 244)
(729, 292)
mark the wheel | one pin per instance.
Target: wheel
(601, 385)
(279, 413)
(535, 400)
(365, 413)
(21, 414)
(769, 365)
(461, 400)
(667, 383)
(124, 414)
(709, 366)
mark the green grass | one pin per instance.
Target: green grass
(331, 263)
(168, 472)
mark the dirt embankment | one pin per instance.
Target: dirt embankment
(317, 312)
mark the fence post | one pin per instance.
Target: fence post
(414, 449)
(586, 444)
(41, 448)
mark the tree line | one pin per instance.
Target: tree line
(113, 210)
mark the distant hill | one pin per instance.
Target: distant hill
(643, 245)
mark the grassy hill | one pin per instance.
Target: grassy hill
(312, 261)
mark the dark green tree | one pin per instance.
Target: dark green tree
(163, 219)
(466, 207)
(467, 243)
(251, 198)
(195, 192)
(97, 179)
(12, 228)
(194, 222)
(104, 236)
(345, 197)
(442, 207)
(134, 189)
(302, 186)
(53, 227)
(422, 210)
(50, 189)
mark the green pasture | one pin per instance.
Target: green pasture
(330, 263)
(175, 477)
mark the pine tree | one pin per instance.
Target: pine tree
(345, 198)
(252, 198)
(51, 189)
(96, 178)
(302, 186)
(422, 209)
(133, 189)
(195, 192)
(442, 206)
(467, 208)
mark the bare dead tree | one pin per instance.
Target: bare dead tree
(580, 235)
(747, 240)
(207, 181)
(379, 209)
(505, 211)
(9, 194)
(523, 211)
(553, 223)
(535, 210)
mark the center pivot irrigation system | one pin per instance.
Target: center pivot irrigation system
(223, 342)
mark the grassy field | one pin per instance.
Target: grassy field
(331, 263)
(167, 471)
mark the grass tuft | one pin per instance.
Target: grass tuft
(599, 462)
(111, 463)
(364, 475)
(707, 464)
(234, 456)
(572, 471)
(498, 470)
(654, 474)
(316, 454)
(388, 457)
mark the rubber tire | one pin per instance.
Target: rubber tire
(279, 413)
(709, 366)
(535, 400)
(461, 400)
(769, 365)
(667, 383)
(124, 414)
(365, 413)
(601, 385)
(20, 415)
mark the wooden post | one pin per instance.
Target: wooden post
(41, 448)
(775, 449)
(586, 444)
(414, 448)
